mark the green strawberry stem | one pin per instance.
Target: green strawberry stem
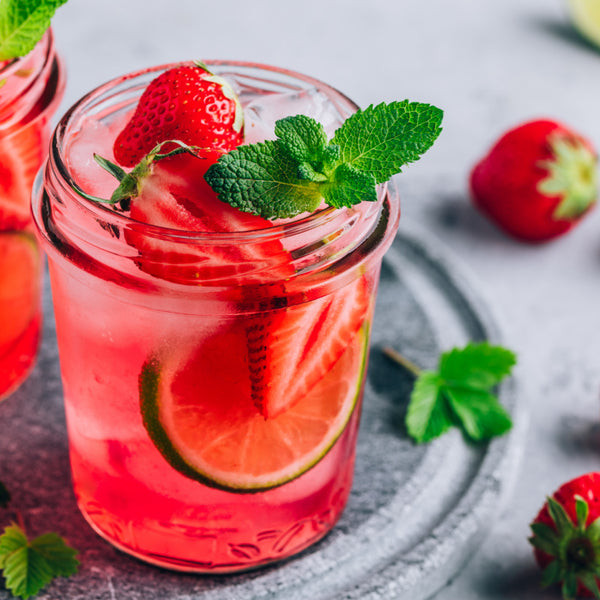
(130, 184)
(572, 174)
(401, 360)
(573, 547)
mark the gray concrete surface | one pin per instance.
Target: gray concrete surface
(490, 65)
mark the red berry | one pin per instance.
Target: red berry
(537, 181)
(566, 537)
(186, 103)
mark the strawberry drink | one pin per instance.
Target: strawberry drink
(214, 272)
(30, 90)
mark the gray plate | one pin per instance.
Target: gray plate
(415, 515)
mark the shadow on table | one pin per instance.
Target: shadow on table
(576, 435)
(516, 581)
(456, 212)
(560, 29)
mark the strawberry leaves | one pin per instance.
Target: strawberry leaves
(460, 394)
(573, 547)
(28, 566)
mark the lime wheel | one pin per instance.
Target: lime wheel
(200, 415)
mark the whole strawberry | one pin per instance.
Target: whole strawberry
(186, 103)
(566, 537)
(537, 181)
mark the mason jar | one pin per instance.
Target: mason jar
(31, 88)
(212, 381)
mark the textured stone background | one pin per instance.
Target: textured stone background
(490, 65)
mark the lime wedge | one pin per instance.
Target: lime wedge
(222, 440)
(585, 15)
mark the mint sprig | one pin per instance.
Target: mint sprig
(460, 393)
(293, 174)
(23, 24)
(28, 566)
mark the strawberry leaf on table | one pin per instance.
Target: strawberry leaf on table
(28, 566)
(459, 393)
(295, 172)
(22, 25)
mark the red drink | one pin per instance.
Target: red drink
(30, 92)
(212, 376)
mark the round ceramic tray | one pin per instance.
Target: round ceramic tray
(415, 515)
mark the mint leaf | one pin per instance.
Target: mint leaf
(4, 496)
(299, 170)
(22, 25)
(459, 393)
(428, 413)
(480, 414)
(350, 187)
(383, 138)
(263, 179)
(30, 566)
(304, 137)
(477, 365)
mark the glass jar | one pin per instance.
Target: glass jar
(31, 88)
(213, 387)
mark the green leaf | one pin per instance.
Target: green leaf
(582, 511)
(26, 572)
(591, 583)
(22, 25)
(383, 138)
(4, 496)
(480, 414)
(29, 566)
(593, 530)
(479, 366)
(569, 586)
(544, 538)
(572, 176)
(563, 523)
(351, 187)
(552, 574)
(459, 394)
(303, 137)
(58, 554)
(263, 179)
(12, 539)
(428, 415)
(296, 172)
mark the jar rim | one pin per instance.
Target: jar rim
(45, 44)
(294, 226)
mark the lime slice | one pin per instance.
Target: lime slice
(223, 441)
(19, 285)
(585, 15)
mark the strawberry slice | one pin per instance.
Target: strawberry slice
(186, 103)
(176, 196)
(290, 351)
(21, 155)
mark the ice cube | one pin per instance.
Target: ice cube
(262, 112)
